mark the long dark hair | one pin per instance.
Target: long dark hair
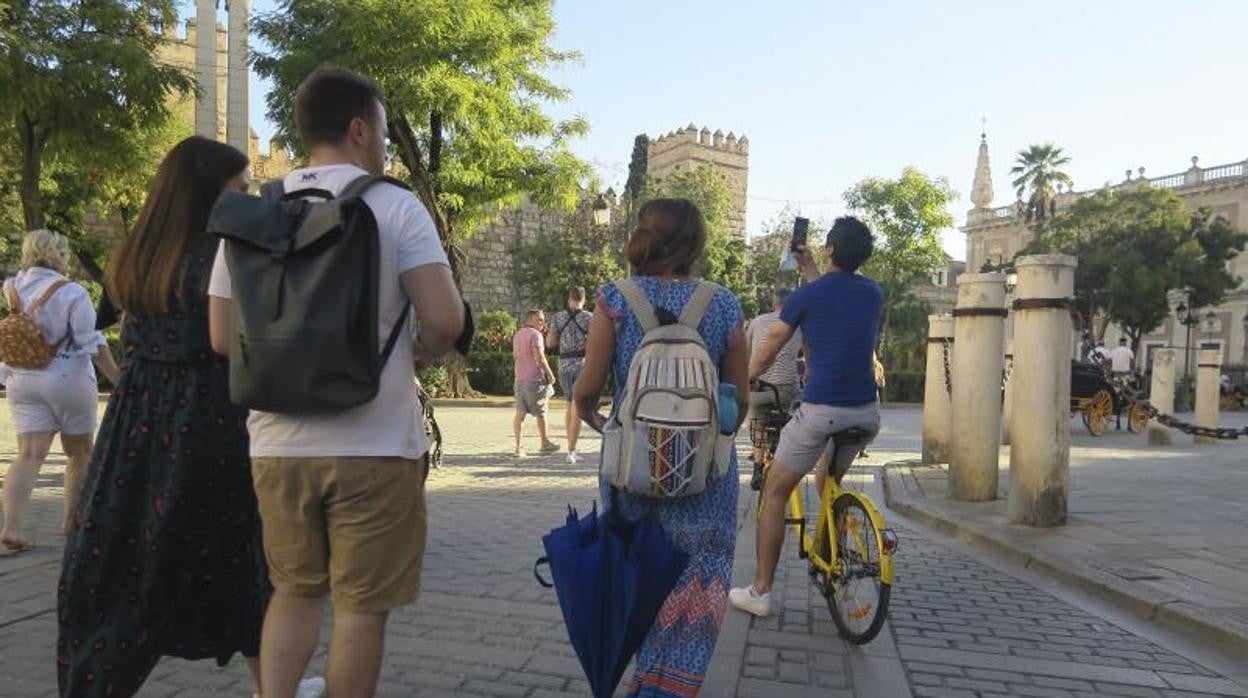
(669, 239)
(147, 263)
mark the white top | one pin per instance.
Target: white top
(1120, 358)
(68, 315)
(390, 425)
(784, 370)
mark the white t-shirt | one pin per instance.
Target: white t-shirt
(1120, 358)
(390, 425)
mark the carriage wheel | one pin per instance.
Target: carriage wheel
(1137, 419)
(1097, 411)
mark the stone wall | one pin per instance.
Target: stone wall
(486, 275)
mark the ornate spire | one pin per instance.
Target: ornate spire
(981, 190)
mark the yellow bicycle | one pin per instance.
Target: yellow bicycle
(850, 549)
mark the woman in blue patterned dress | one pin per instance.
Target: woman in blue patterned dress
(669, 239)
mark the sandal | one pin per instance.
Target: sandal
(9, 548)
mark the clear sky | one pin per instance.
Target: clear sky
(832, 91)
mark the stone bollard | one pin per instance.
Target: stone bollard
(937, 398)
(1007, 393)
(1161, 396)
(1040, 446)
(1208, 391)
(979, 328)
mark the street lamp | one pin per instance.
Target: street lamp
(1187, 317)
(602, 211)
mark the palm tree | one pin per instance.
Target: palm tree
(1037, 169)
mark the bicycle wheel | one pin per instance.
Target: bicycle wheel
(858, 598)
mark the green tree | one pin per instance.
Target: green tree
(577, 254)
(635, 187)
(80, 93)
(767, 250)
(907, 215)
(1133, 246)
(1038, 169)
(465, 88)
(724, 260)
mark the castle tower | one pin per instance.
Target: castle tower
(691, 147)
(981, 189)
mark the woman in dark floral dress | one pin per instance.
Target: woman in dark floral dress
(164, 556)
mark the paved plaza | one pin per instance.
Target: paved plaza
(964, 621)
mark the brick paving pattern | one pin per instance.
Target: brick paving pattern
(484, 628)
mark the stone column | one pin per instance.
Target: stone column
(1161, 396)
(1007, 394)
(937, 399)
(979, 329)
(1208, 379)
(206, 68)
(236, 130)
(1040, 446)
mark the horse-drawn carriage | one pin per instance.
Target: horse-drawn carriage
(1098, 399)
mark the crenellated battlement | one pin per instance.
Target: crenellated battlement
(702, 137)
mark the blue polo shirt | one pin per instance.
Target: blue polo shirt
(839, 315)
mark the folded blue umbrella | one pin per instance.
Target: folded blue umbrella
(612, 576)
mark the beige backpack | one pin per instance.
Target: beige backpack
(663, 439)
(21, 341)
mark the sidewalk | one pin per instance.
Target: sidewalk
(1160, 531)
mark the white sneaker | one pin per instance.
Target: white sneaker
(311, 688)
(519, 453)
(573, 457)
(751, 601)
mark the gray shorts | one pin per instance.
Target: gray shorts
(808, 435)
(531, 397)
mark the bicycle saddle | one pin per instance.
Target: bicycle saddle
(852, 435)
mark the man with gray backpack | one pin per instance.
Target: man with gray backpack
(310, 297)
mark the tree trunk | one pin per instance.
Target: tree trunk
(32, 143)
(404, 135)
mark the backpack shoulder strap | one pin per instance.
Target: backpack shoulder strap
(698, 304)
(47, 295)
(640, 305)
(10, 295)
(361, 184)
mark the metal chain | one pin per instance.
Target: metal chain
(1136, 398)
(944, 346)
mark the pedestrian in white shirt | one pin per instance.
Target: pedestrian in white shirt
(341, 494)
(1121, 358)
(59, 398)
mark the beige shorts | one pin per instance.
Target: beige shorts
(808, 435)
(352, 526)
(532, 397)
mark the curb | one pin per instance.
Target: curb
(1163, 609)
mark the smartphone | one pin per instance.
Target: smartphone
(801, 228)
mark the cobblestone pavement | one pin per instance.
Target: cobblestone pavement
(963, 625)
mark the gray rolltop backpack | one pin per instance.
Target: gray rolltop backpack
(663, 439)
(305, 282)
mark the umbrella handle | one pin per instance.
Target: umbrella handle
(537, 575)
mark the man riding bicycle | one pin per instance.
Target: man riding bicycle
(838, 314)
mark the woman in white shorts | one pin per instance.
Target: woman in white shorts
(61, 398)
